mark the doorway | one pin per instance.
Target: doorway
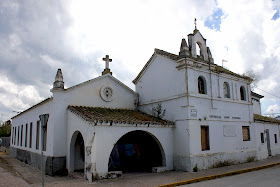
(77, 150)
(268, 142)
(136, 151)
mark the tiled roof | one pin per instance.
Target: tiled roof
(256, 95)
(125, 116)
(38, 104)
(261, 118)
(159, 52)
(218, 69)
(166, 54)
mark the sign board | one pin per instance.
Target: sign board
(229, 131)
(193, 112)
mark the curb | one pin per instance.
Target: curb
(210, 177)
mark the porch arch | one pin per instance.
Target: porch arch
(136, 151)
(77, 152)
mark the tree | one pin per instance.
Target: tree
(5, 130)
(253, 75)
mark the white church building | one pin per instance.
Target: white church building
(186, 112)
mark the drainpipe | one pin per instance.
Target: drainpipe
(211, 84)
(187, 84)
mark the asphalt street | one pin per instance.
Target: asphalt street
(16, 173)
(266, 177)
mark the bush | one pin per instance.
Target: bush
(5, 130)
(223, 163)
(251, 159)
(195, 168)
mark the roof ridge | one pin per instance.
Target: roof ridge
(156, 52)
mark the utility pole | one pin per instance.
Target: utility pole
(44, 120)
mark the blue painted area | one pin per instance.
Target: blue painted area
(276, 15)
(214, 21)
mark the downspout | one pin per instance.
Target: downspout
(249, 104)
(211, 84)
(187, 84)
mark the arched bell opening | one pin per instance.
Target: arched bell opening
(136, 151)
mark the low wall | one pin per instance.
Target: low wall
(221, 159)
(53, 165)
(5, 142)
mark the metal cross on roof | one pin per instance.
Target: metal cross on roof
(195, 23)
(107, 60)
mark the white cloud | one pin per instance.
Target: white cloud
(52, 62)
(75, 35)
(273, 109)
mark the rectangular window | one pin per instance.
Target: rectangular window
(205, 138)
(275, 138)
(262, 137)
(30, 136)
(18, 137)
(26, 127)
(37, 134)
(21, 135)
(13, 137)
(45, 139)
(246, 133)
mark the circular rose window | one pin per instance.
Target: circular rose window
(107, 93)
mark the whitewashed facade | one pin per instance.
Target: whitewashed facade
(209, 119)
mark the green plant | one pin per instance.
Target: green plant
(158, 112)
(223, 163)
(251, 159)
(5, 130)
(195, 168)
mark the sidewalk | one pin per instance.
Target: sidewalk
(32, 177)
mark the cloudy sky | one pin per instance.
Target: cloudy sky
(37, 37)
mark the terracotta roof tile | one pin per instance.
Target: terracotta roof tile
(261, 118)
(99, 114)
(157, 52)
(218, 69)
(167, 54)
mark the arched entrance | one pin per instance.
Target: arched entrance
(136, 151)
(77, 150)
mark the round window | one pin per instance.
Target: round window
(107, 93)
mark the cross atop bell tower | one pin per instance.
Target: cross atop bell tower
(107, 60)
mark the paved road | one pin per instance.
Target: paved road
(266, 177)
(7, 179)
(16, 173)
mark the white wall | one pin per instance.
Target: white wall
(33, 116)
(102, 137)
(256, 107)
(169, 88)
(160, 81)
(262, 147)
(88, 94)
